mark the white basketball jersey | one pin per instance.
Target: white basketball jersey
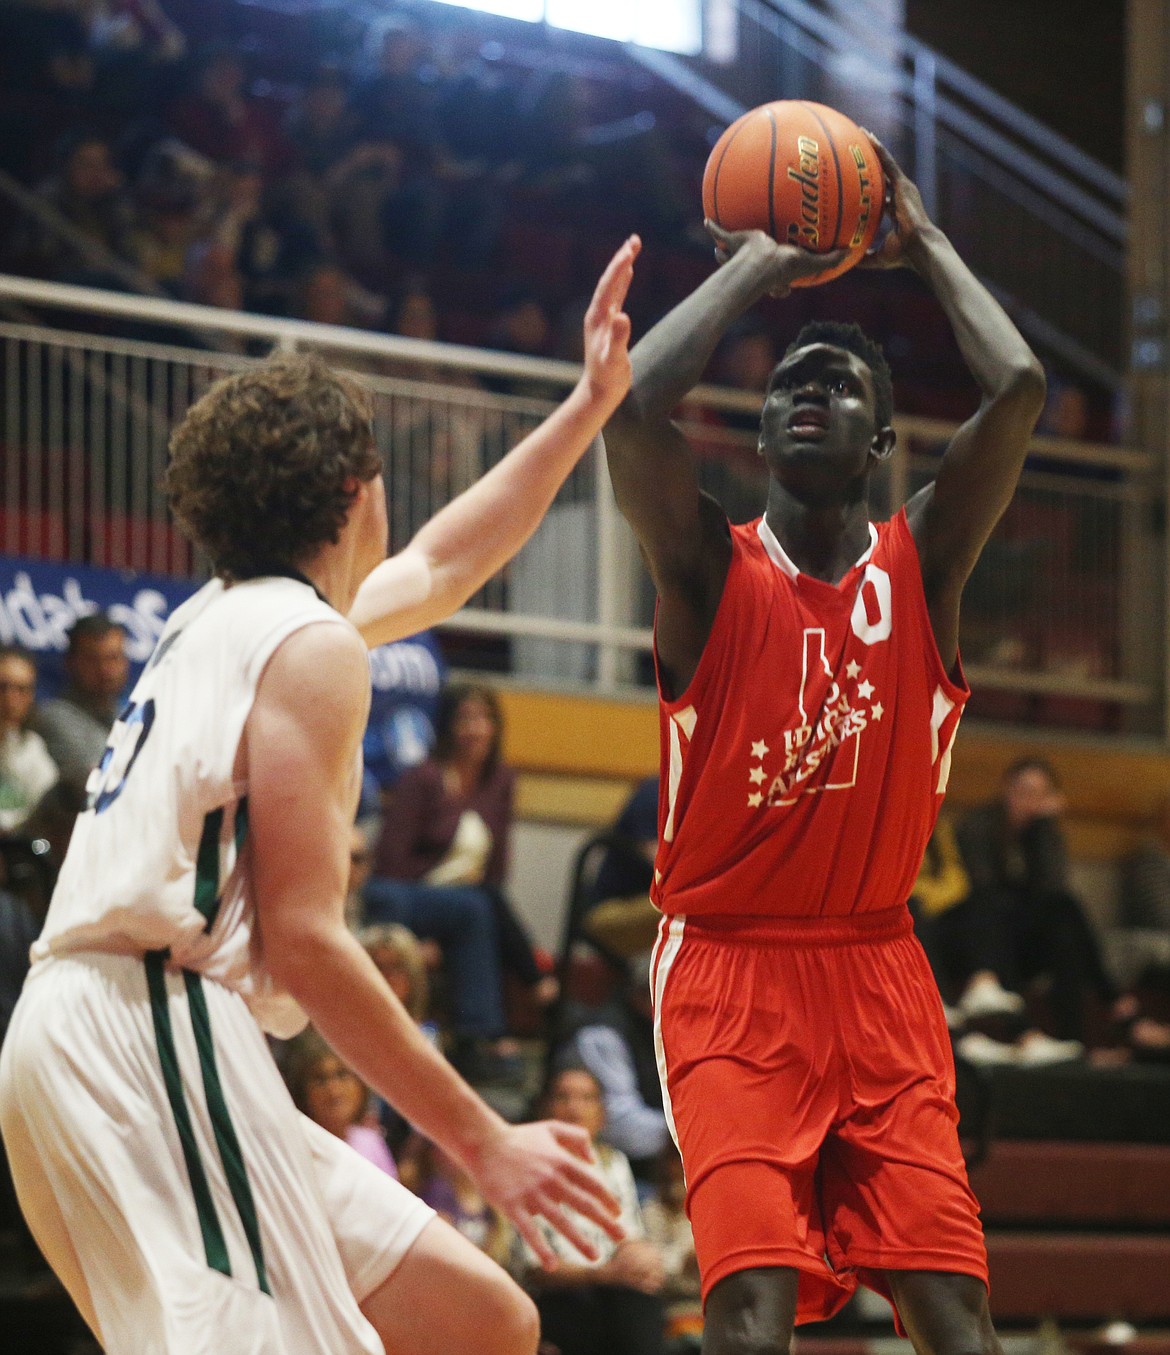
(156, 859)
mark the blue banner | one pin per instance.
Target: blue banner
(41, 599)
(407, 678)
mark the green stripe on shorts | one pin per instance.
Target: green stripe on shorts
(207, 868)
(214, 1245)
(221, 1122)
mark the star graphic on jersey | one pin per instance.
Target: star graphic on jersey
(756, 775)
(865, 688)
(876, 711)
(760, 749)
(852, 669)
(754, 801)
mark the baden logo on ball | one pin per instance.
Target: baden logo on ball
(804, 173)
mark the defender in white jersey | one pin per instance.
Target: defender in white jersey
(185, 1203)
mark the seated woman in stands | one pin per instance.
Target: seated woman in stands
(442, 859)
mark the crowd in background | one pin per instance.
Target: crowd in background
(1022, 969)
(393, 170)
(391, 183)
(397, 180)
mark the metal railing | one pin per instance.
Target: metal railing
(1041, 221)
(1066, 606)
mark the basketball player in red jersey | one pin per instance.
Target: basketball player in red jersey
(810, 690)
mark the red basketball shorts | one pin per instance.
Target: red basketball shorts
(808, 1077)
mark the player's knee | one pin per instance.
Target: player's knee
(752, 1313)
(510, 1324)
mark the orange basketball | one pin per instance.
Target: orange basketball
(802, 172)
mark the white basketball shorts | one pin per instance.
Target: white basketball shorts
(170, 1181)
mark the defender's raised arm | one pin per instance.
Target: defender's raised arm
(475, 535)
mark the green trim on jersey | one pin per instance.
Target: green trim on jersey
(221, 1121)
(214, 1246)
(241, 823)
(207, 868)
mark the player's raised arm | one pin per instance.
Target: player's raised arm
(476, 534)
(682, 534)
(301, 742)
(953, 518)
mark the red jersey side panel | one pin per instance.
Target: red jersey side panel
(803, 768)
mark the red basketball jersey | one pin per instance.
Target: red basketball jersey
(803, 768)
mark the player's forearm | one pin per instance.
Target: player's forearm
(348, 1001)
(476, 534)
(672, 357)
(993, 348)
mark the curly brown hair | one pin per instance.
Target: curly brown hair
(260, 465)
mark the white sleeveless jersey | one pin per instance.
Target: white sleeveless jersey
(156, 859)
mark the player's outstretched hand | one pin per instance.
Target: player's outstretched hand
(905, 211)
(543, 1170)
(607, 328)
(781, 264)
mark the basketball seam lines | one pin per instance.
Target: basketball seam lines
(718, 171)
(772, 178)
(836, 166)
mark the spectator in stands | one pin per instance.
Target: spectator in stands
(76, 725)
(615, 1042)
(613, 1304)
(167, 223)
(941, 923)
(413, 312)
(453, 1195)
(382, 210)
(399, 97)
(252, 242)
(220, 120)
(521, 325)
(323, 130)
(26, 769)
(332, 1095)
(621, 917)
(402, 961)
(447, 825)
(329, 296)
(87, 193)
(669, 1229)
(1021, 919)
(322, 127)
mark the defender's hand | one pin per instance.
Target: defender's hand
(607, 328)
(544, 1170)
(780, 265)
(903, 207)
